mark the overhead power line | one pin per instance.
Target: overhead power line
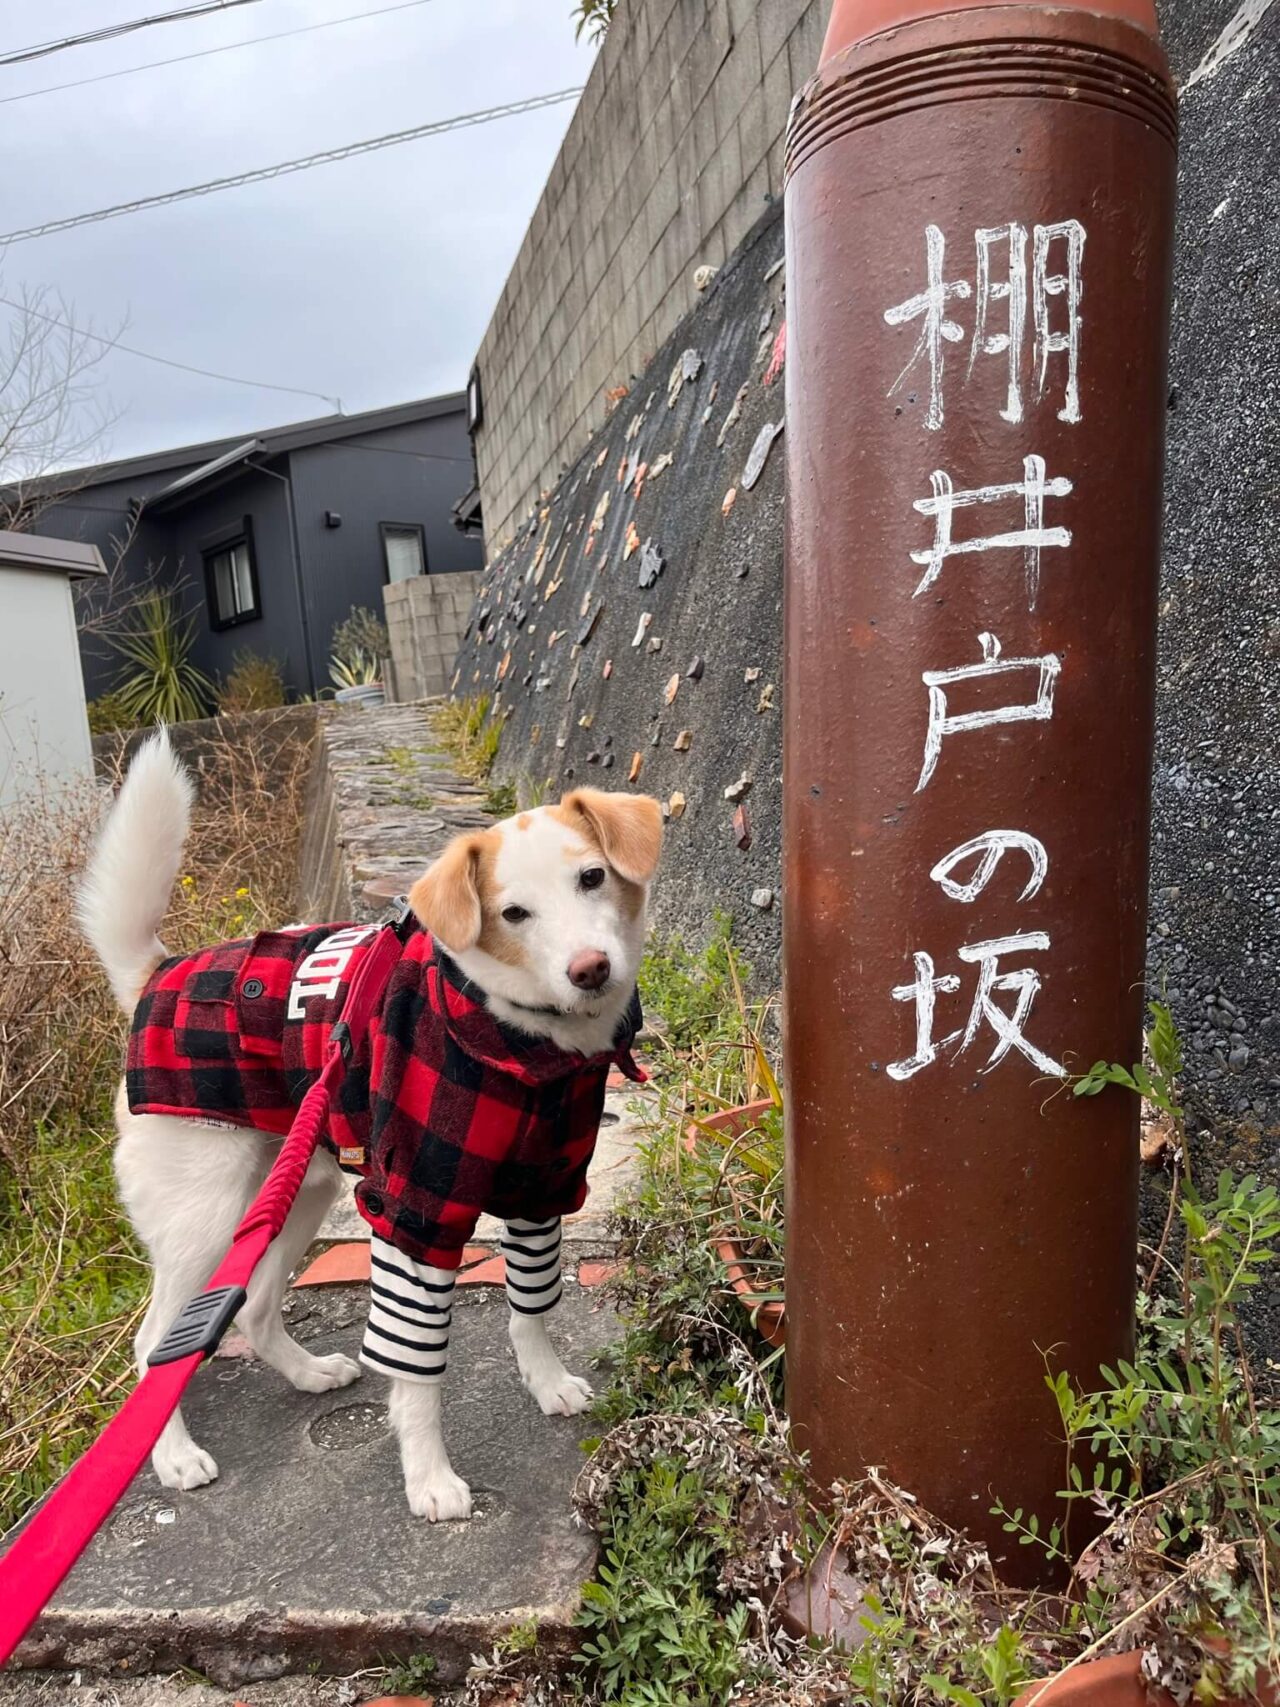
(164, 361)
(208, 52)
(463, 121)
(109, 32)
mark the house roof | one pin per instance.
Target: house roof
(295, 435)
(69, 557)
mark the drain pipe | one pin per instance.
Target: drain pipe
(979, 235)
(299, 583)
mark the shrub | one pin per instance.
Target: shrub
(109, 712)
(253, 683)
(163, 685)
(362, 634)
(73, 1281)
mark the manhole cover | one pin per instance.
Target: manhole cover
(348, 1427)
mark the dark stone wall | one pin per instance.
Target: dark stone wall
(718, 599)
(1215, 900)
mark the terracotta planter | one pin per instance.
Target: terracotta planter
(770, 1319)
(1117, 1682)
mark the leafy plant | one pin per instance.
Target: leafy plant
(593, 16)
(359, 670)
(469, 735)
(107, 713)
(163, 685)
(253, 683)
(411, 1676)
(1177, 1450)
(362, 632)
(653, 1630)
(501, 799)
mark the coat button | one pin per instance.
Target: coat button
(373, 1203)
(252, 988)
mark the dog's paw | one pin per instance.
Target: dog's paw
(322, 1374)
(184, 1467)
(560, 1394)
(440, 1497)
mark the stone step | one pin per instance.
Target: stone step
(303, 1554)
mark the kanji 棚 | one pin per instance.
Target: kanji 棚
(1032, 538)
(1007, 1026)
(1057, 258)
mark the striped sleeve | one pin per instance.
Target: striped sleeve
(410, 1303)
(531, 1253)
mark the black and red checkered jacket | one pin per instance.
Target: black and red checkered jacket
(444, 1111)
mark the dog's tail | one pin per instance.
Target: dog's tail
(126, 887)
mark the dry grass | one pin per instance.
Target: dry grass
(71, 1280)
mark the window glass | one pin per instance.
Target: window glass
(231, 591)
(402, 548)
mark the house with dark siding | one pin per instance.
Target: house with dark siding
(269, 540)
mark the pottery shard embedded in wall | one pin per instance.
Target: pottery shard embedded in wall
(652, 563)
(760, 453)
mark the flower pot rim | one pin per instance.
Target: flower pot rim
(771, 1317)
(1116, 1681)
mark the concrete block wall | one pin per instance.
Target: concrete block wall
(674, 153)
(425, 619)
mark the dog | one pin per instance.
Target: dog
(479, 1088)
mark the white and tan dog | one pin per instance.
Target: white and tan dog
(544, 914)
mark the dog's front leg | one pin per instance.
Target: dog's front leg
(531, 1252)
(407, 1338)
(433, 1488)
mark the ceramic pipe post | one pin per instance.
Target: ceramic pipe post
(979, 232)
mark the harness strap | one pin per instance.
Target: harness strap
(61, 1529)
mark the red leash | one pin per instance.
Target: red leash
(62, 1528)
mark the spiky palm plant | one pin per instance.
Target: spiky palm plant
(161, 685)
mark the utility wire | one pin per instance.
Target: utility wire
(164, 361)
(463, 121)
(109, 32)
(208, 52)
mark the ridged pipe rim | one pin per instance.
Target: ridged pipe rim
(907, 70)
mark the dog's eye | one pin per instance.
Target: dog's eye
(592, 878)
(515, 915)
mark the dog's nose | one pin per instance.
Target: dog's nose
(589, 970)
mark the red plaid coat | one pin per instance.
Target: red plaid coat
(445, 1112)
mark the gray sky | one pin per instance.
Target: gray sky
(372, 279)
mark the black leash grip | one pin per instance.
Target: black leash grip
(200, 1324)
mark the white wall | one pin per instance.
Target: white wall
(44, 731)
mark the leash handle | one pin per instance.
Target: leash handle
(59, 1530)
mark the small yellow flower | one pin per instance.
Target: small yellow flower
(241, 894)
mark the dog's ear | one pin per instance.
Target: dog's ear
(627, 827)
(446, 899)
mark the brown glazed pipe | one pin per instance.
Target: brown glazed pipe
(979, 236)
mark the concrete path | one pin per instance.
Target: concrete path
(303, 1555)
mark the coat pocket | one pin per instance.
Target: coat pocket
(204, 1018)
(262, 991)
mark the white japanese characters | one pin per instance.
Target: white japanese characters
(1001, 301)
(1025, 293)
